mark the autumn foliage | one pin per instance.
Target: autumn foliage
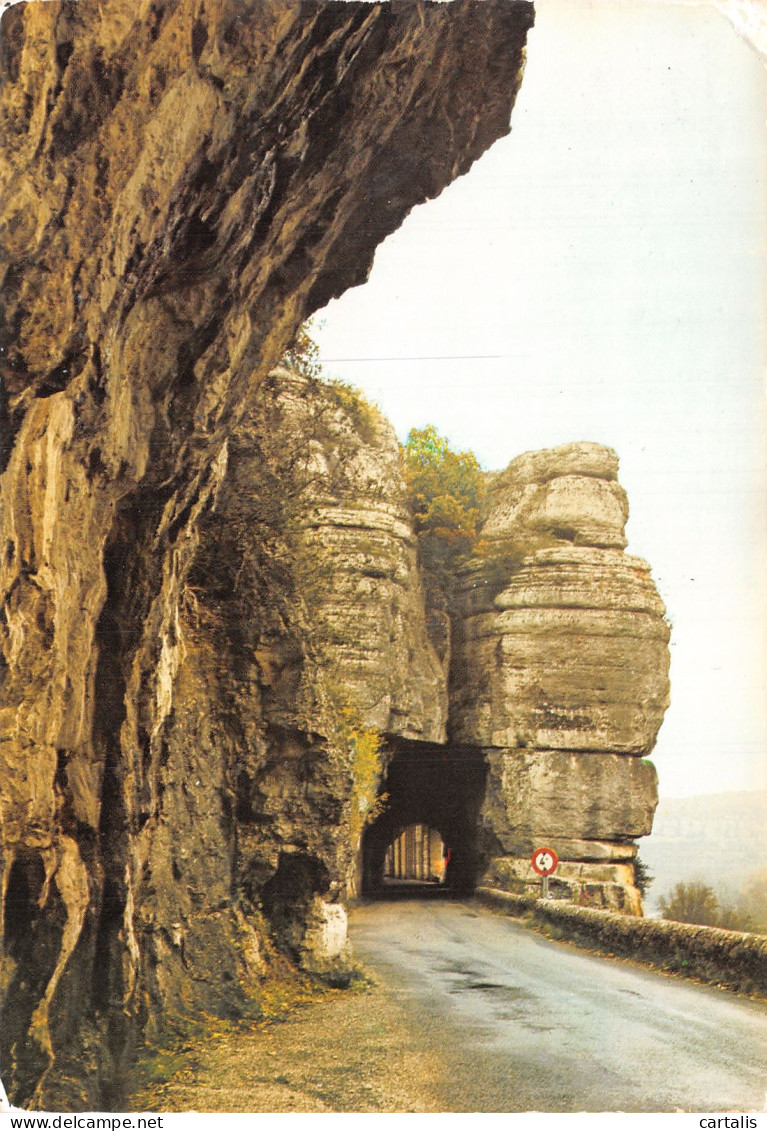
(446, 490)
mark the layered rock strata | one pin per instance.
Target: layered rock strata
(181, 185)
(306, 601)
(336, 467)
(560, 674)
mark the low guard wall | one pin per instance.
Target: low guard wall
(733, 960)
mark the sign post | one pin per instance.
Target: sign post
(545, 862)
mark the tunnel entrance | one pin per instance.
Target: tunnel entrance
(426, 834)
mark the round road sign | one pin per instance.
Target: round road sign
(545, 861)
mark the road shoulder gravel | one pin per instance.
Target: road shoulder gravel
(349, 1051)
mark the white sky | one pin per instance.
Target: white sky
(601, 275)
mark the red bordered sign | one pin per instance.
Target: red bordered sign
(545, 861)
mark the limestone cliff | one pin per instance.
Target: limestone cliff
(181, 184)
(330, 464)
(560, 673)
(306, 600)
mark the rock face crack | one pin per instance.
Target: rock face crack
(181, 185)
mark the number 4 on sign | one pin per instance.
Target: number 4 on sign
(545, 862)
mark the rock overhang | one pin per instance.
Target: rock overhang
(179, 189)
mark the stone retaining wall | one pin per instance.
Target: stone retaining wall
(731, 959)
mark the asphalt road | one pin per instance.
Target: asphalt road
(525, 1024)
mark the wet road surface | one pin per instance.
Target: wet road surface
(525, 1024)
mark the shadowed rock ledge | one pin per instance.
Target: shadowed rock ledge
(181, 184)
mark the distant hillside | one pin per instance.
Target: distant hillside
(719, 837)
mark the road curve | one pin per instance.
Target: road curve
(525, 1024)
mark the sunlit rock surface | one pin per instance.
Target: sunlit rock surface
(180, 187)
(560, 670)
(210, 598)
(333, 464)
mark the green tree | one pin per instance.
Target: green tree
(446, 491)
(643, 877)
(693, 902)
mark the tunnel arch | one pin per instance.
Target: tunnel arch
(417, 852)
(435, 785)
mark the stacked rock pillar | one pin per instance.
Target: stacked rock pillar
(560, 674)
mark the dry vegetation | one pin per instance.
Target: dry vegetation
(315, 1050)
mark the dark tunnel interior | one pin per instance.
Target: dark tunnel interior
(437, 788)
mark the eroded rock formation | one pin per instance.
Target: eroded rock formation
(181, 184)
(306, 599)
(560, 673)
(332, 464)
